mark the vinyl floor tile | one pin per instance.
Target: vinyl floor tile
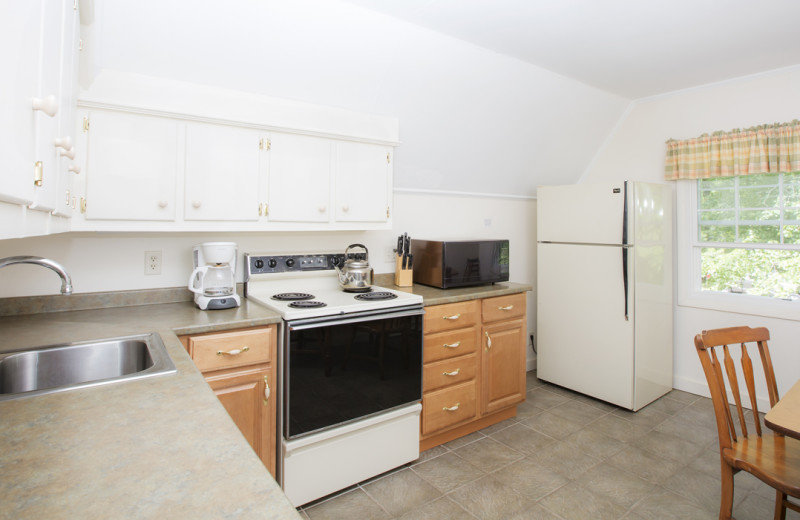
(565, 456)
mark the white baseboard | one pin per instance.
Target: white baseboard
(700, 387)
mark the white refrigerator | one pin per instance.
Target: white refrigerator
(604, 290)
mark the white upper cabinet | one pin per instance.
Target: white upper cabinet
(171, 156)
(299, 178)
(363, 182)
(37, 100)
(132, 166)
(21, 41)
(223, 172)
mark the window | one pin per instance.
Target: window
(748, 235)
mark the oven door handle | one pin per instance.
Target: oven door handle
(315, 323)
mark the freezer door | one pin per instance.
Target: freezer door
(585, 342)
(582, 213)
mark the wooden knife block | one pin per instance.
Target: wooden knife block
(402, 277)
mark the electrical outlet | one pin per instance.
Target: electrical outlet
(389, 254)
(152, 262)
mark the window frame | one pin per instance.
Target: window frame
(690, 293)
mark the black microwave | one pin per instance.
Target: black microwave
(459, 263)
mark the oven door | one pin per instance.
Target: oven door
(339, 369)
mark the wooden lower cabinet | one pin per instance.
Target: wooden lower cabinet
(474, 366)
(239, 366)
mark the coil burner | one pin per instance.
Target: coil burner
(307, 304)
(376, 296)
(292, 296)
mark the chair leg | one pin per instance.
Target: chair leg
(780, 505)
(726, 496)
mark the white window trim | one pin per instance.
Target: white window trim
(688, 257)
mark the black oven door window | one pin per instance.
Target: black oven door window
(339, 371)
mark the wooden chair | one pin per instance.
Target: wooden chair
(771, 457)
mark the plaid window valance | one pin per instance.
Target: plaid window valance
(752, 151)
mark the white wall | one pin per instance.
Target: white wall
(636, 151)
(99, 262)
(471, 120)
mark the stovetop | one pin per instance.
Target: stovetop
(312, 283)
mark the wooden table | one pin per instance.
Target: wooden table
(785, 415)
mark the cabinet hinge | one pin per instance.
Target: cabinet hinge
(38, 170)
(264, 144)
(83, 205)
(263, 210)
(387, 211)
(85, 124)
(80, 45)
(388, 155)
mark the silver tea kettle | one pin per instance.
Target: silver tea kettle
(356, 274)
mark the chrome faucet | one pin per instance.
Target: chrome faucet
(66, 281)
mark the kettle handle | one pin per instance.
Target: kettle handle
(362, 246)
(193, 278)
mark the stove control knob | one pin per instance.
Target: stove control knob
(272, 263)
(259, 264)
(289, 262)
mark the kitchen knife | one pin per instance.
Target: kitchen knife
(406, 243)
(399, 245)
(405, 261)
(410, 260)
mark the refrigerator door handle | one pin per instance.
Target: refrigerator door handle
(625, 214)
(625, 278)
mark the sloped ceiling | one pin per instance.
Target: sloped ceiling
(633, 48)
(471, 120)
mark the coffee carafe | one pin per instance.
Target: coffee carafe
(213, 280)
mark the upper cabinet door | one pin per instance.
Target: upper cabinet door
(132, 164)
(49, 88)
(222, 172)
(20, 39)
(299, 178)
(67, 162)
(363, 182)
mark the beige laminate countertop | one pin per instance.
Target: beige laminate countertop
(434, 296)
(159, 447)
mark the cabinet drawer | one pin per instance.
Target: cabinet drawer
(451, 316)
(504, 307)
(448, 407)
(449, 344)
(230, 349)
(449, 372)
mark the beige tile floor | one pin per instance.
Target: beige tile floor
(564, 456)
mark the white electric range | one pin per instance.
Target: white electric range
(351, 373)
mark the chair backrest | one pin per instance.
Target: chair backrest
(707, 345)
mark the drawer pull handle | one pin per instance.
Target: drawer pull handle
(506, 308)
(452, 345)
(267, 391)
(453, 317)
(452, 408)
(234, 352)
(453, 373)
(488, 340)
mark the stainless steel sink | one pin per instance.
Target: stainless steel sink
(55, 368)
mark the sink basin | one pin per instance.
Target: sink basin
(56, 368)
